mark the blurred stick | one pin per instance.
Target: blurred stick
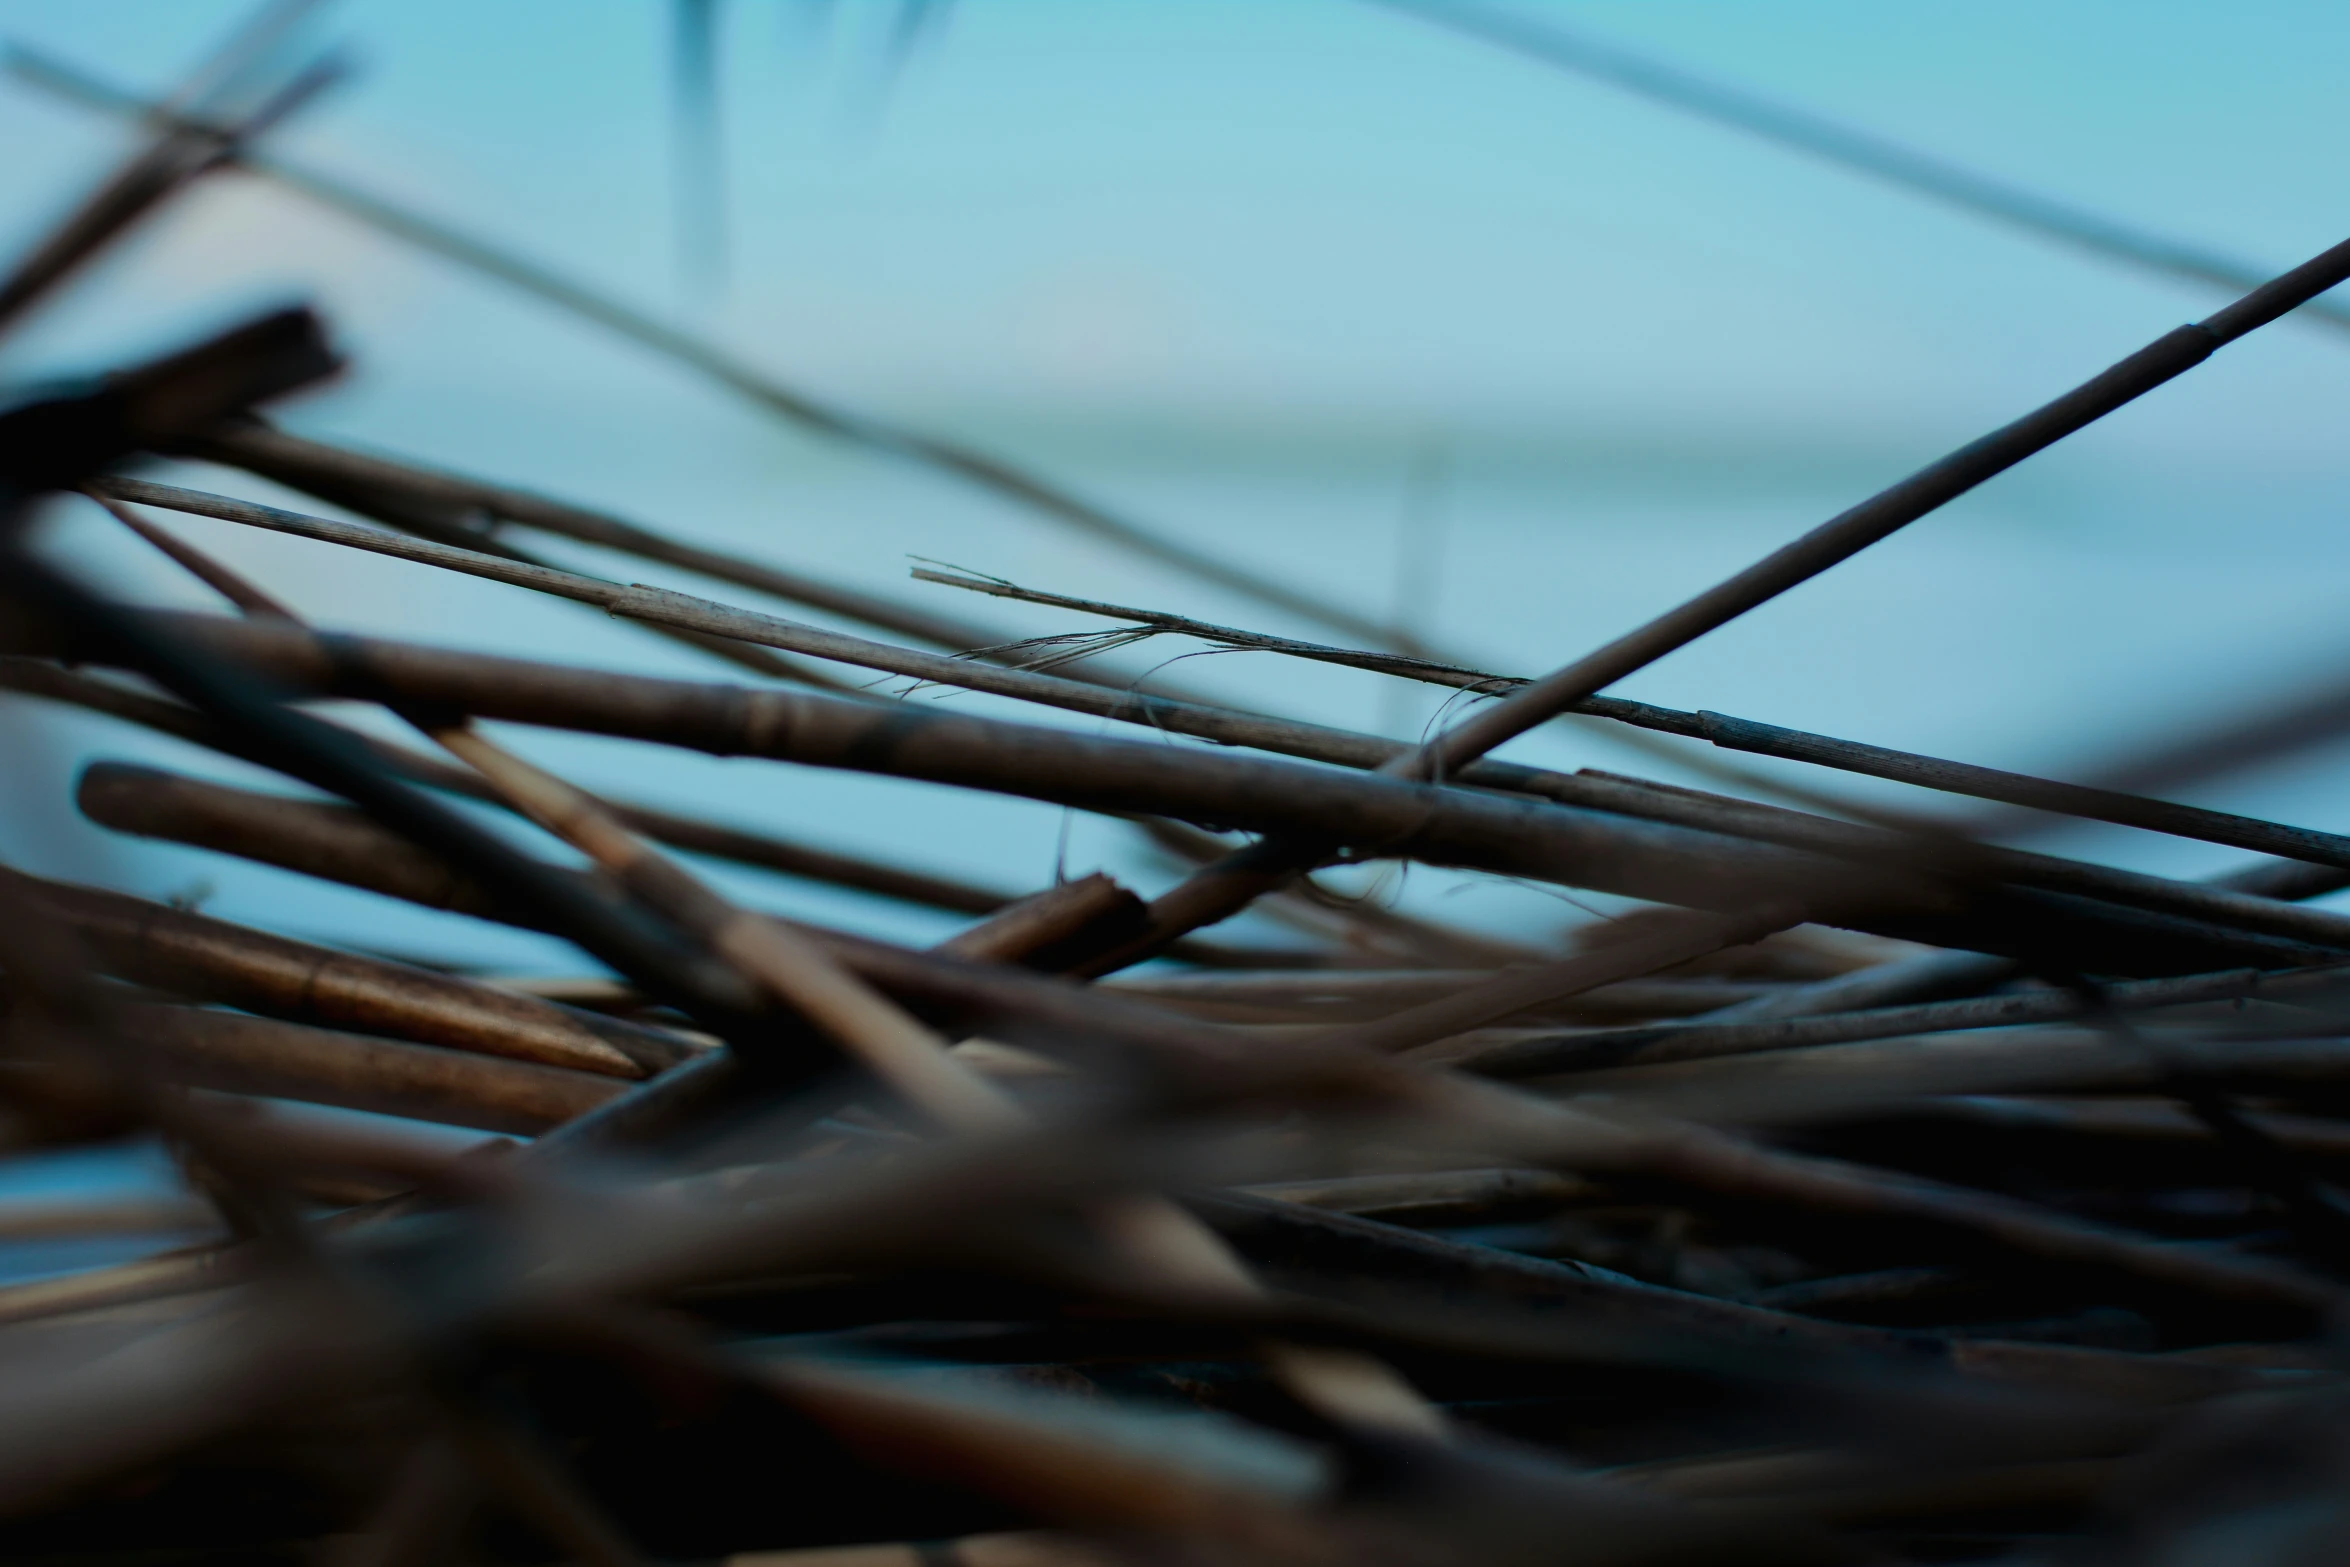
(191, 138)
(904, 1055)
(1152, 1237)
(1863, 152)
(1005, 480)
(1693, 1041)
(213, 960)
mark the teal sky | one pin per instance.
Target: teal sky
(1237, 264)
(1308, 211)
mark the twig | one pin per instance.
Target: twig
(1861, 151)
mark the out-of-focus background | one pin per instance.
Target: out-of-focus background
(1380, 309)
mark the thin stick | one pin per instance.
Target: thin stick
(1224, 889)
(1699, 1039)
(1760, 739)
(1882, 515)
(1229, 726)
(1861, 151)
(452, 509)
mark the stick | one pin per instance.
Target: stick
(1469, 828)
(256, 1055)
(1745, 734)
(216, 961)
(1860, 151)
(1882, 515)
(1689, 808)
(766, 852)
(1222, 890)
(187, 144)
(1702, 1039)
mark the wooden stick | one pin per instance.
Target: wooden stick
(1882, 515)
(213, 960)
(1443, 825)
(1054, 929)
(1224, 889)
(740, 845)
(1703, 1039)
(1863, 152)
(1602, 791)
(256, 1055)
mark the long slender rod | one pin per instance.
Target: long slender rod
(1234, 727)
(1849, 147)
(1223, 889)
(1761, 739)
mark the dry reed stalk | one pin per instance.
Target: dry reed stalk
(1601, 791)
(1471, 828)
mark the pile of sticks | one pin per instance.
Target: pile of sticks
(1873, 1192)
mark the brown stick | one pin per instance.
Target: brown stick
(35, 677)
(1684, 807)
(1517, 990)
(255, 1055)
(1443, 825)
(213, 960)
(1053, 929)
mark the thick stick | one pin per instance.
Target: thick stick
(34, 677)
(213, 960)
(258, 1055)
